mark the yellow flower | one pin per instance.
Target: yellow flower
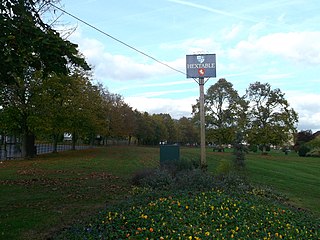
(207, 234)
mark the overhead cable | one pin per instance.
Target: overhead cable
(116, 39)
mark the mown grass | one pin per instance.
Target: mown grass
(44, 195)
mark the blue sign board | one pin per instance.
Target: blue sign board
(201, 66)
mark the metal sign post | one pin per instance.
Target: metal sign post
(201, 66)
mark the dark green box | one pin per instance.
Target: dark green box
(169, 153)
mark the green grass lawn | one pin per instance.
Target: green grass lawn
(41, 196)
(296, 177)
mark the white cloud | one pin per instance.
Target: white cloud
(120, 67)
(161, 93)
(308, 107)
(193, 45)
(230, 34)
(302, 47)
(177, 108)
(273, 76)
(153, 85)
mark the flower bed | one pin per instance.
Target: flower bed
(204, 215)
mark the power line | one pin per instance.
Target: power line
(116, 39)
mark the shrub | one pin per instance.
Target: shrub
(140, 175)
(303, 150)
(253, 148)
(180, 165)
(182, 175)
(224, 167)
(155, 179)
(314, 153)
(193, 180)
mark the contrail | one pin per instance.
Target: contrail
(213, 10)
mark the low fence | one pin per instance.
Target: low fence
(13, 150)
(10, 146)
(10, 151)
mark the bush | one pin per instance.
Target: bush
(314, 153)
(187, 176)
(224, 167)
(180, 165)
(303, 150)
(181, 175)
(155, 179)
(140, 175)
(193, 180)
(253, 148)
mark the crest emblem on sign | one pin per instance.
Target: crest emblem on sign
(200, 59)
(201, 71)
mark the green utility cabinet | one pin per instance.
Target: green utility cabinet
(169, 153)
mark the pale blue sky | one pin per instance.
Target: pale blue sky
(275, 41)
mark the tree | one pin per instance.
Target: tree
(84, 119)
(161, 129)
(271, 120)
(28, 44)
(225, 112)
(121, 118)
(301, 138)
(52, 98)
(169, 132)
(145, 130)
(30, 51)
(187, 131)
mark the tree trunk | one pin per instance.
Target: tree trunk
(74, 140)
(92, 140)
(264, 150)
(55, 143)
(28, 145)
